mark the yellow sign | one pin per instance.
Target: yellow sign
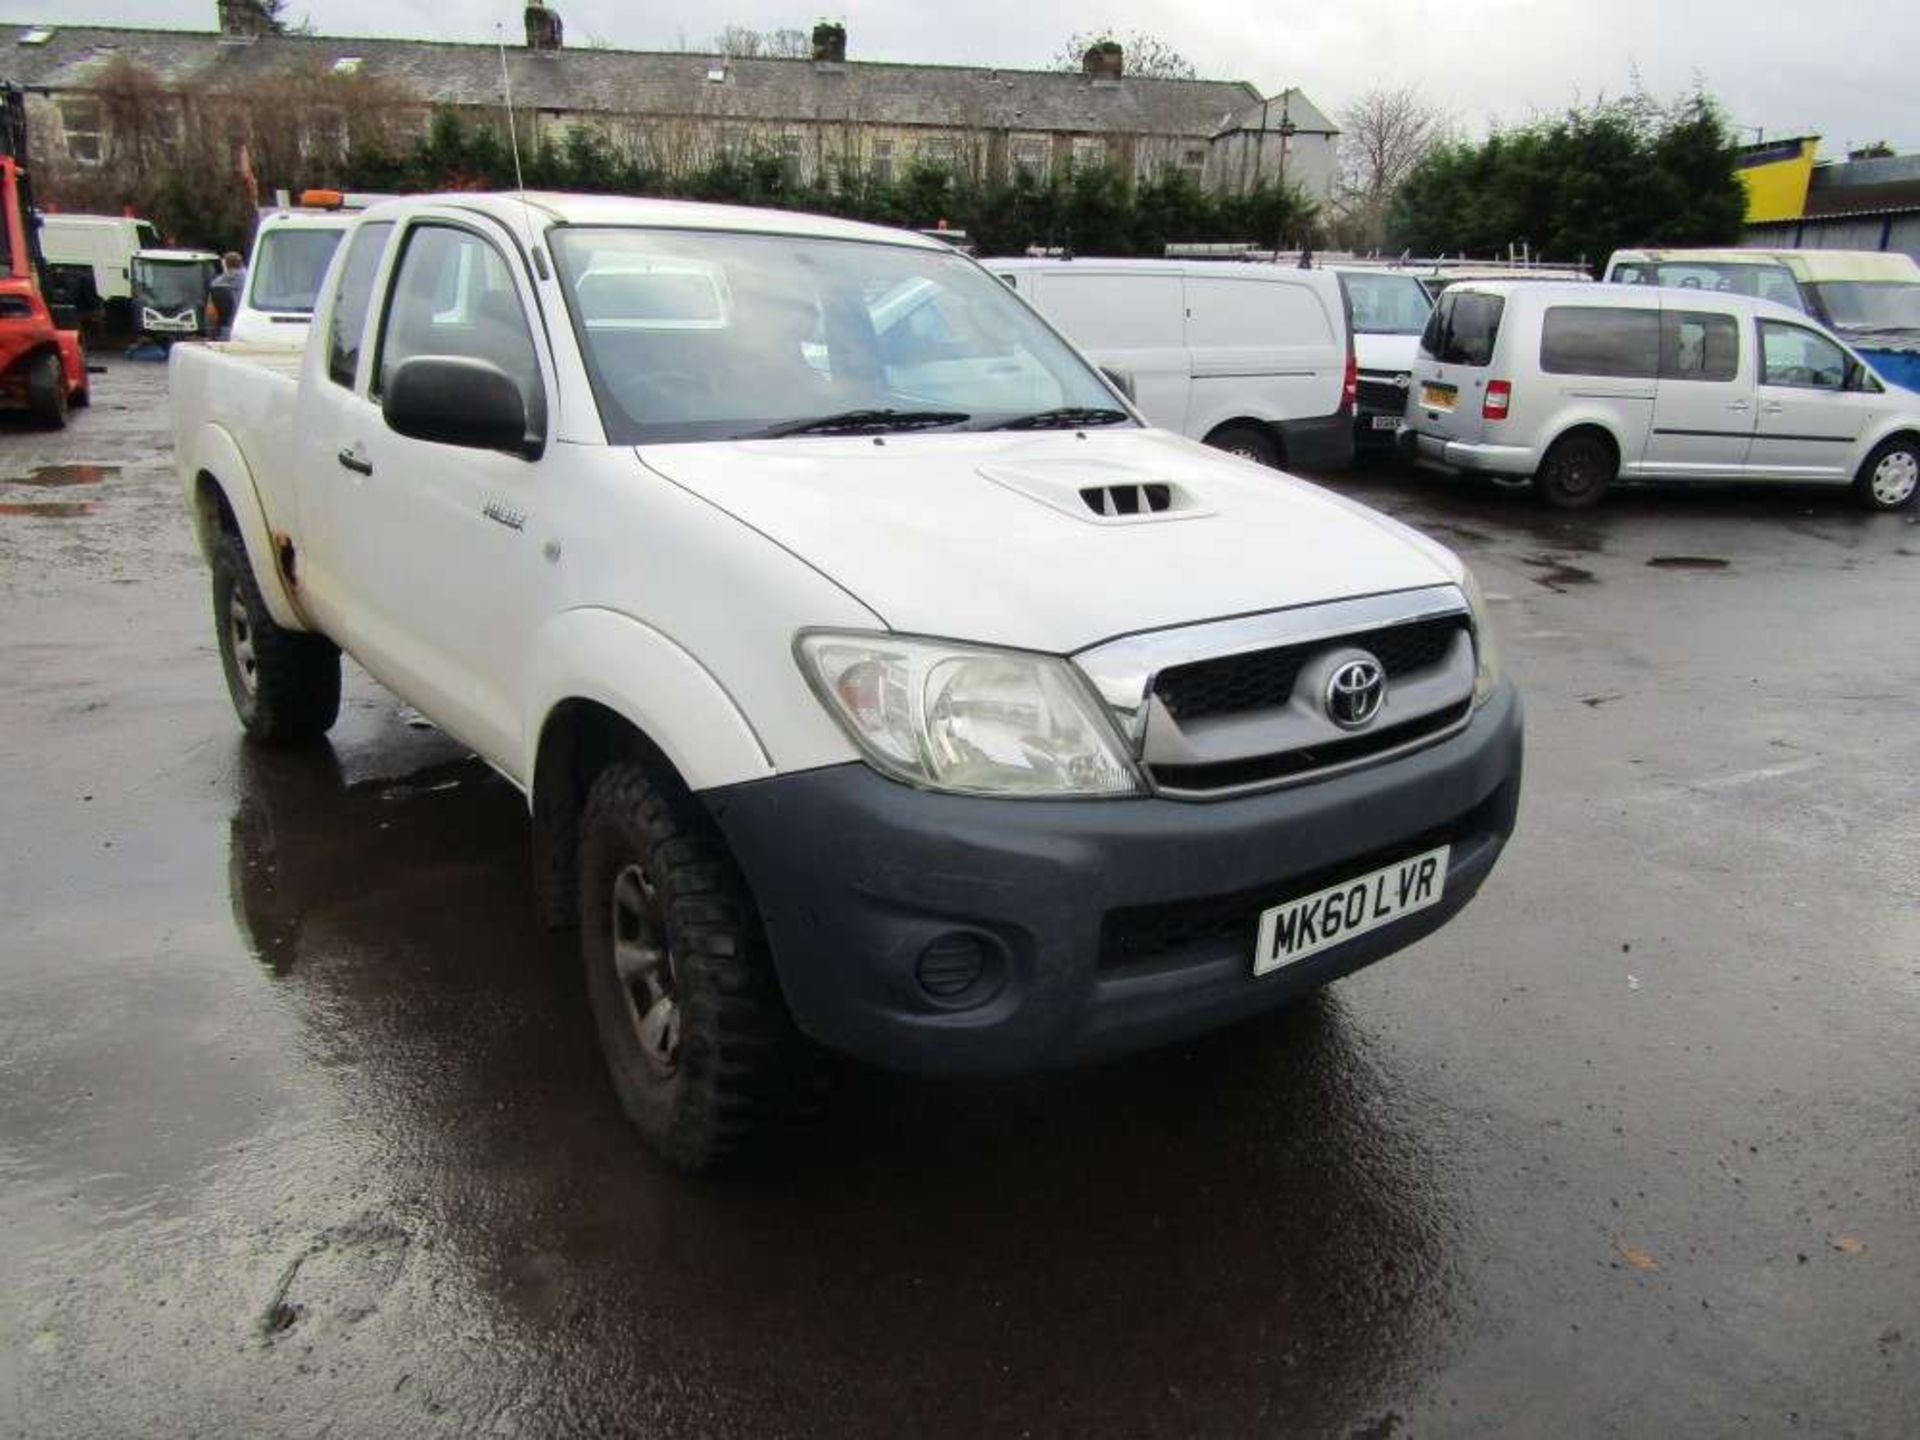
(1776, 175)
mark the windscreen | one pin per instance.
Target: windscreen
(288, 266)
(1462, 328)
(171, 285)
(705, 335)
(1876, 305)
(1387, 304)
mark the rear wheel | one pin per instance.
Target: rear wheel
(83, 397)
(1576, 472)
(698, 1041)
(47, 390)
(1248, 442)
(1891, 477)
(285, 684)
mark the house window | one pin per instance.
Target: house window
(1193, 158)
(326, 136)
(939, 151)
(791, 145)
(80, 121)
(1032, 156)
(1089, 152)
(883, 162)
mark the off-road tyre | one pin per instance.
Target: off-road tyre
(1890, 478)
(47, 390)
(1576, 472)
(285, 684)
(1249, 443)
(740, 1070)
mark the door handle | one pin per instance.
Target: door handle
(1773, 407)
(353, 460)
(1738, 405)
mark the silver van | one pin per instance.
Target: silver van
(1580, 385)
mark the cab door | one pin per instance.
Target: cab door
(1808, 422)
(1703, 410)
(444, 549)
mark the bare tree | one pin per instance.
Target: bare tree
(1383, 135)
(746, 43)
(1147, 56)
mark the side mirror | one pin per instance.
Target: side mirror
(456, 400)
(1122, 380)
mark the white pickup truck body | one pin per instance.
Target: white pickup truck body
(1150, 698)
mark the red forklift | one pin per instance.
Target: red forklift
(43, 362)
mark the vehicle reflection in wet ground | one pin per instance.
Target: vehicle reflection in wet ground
(1071, 1238)
(54, 477)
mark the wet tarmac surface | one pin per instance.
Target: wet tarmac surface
(303, 1130)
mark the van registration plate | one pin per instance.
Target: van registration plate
(1340, 912)
(1438, 397)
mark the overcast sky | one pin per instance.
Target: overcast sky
(1842, 68)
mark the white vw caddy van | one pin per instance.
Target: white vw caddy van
(1577, 385)
(1256, 360)
(876, 678)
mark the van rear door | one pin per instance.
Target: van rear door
(1450, 373)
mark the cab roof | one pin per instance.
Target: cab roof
(1622, 297)
(1814, 266)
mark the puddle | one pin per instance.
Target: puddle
(52, 509)
(1556, 573)
(1687, 562)
(59, 476)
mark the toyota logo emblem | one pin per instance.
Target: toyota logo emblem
(1355, 692)
(1404, 380)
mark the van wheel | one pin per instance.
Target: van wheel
(702, 1051)
(47, 390)
(1891, 476)
(1575, 473)
(1248, 443)
(285, 684)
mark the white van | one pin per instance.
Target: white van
(1579, 385)
(1389, 309)
(1256, 360)
(94, 251)
(291, 252)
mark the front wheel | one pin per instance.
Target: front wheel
(1575, 473)
(702, 1051)
(285, 684)
(47, 390)
(1891, 476)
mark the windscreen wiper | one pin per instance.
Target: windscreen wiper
(860, 422)
(1064, 417)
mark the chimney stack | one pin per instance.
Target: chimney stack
(543, 27)
(1103, 61)
(829, 43)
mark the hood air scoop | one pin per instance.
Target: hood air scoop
(1099, 494)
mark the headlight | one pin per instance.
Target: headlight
(1486, 650)
(966, 719)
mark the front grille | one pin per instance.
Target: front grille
(1142, 934)
(1263, 680)
(1381, 395)
(1286, 764)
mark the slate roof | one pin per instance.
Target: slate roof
(626, 82)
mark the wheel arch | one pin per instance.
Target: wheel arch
(225, 501)
(1267, 428)
(1597, 428)
(611, 688)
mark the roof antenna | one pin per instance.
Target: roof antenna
(513, 142)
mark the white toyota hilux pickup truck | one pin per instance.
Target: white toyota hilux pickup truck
(878, 681)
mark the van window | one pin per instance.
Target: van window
(1252, 313)
(1386, 304)
(1463, 327)
(1762, 278)
(1695, 345)
(1799, 358)
(288, 266)
(1116, 312)
(1600, 340)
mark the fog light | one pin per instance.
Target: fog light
(951, 965)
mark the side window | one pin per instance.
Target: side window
(1595, 340)
(1696, 345)
(1799, 358)
(453, 295)
(348, 321)
(1773, 283)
